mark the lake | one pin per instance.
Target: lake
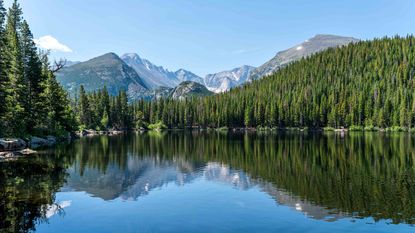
(214, 182)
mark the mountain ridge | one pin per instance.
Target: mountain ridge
(189, 89)
(105, 70)
(153, 81)
(157, 76)
(225, 80)
(310, 46)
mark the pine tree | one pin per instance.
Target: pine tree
(104, 120)
(139, 120)
(4, 106)
(14, 69)
(33, 76)
(60, 116)
(125, 113)
(248, 117)
(84, 110)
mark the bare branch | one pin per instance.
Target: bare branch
(58, 65)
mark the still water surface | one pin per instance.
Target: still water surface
(214, 182)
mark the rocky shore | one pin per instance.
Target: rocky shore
(91, 133)
(11, 148)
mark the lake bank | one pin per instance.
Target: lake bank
(17, 147)
(12, 148)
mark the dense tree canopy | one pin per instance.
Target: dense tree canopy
(370, 83)
(364, 84)
(31, 100)
(98, 110)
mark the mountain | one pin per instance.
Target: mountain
(364, 85)
(143, 79)
(156, 76)
(184, 75)
(188, 89)
(153, 76)
(71, 63)
(160, 92)
(142, 176)
(225, 80)
(305, 49)
(106, 70)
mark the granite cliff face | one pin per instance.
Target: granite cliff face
(225, 80)
(156, 76)
(189, 89)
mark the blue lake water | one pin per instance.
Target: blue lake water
(214, 182)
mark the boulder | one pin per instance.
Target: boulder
(27, 152)
(51, 140)
(36, 142)
(11, 155)
(81, 133)
(91, 132)
(11, 144)
(7, 155)
(115, 132)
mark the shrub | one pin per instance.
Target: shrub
(157, 126)
(356, 128)
(396, 129)
(371, 128)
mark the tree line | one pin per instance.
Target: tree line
(364, 84)
(100, 111)
(31, 100)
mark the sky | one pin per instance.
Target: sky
(205, 36)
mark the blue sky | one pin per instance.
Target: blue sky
(206, 36)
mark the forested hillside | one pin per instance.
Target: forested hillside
(364, 84)
(31, 100)
(369, 83)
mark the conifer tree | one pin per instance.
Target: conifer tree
(32, 66)
(4, 106)
(84, 109)
(60, 116)
(14, 69)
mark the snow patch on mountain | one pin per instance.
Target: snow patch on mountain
(225, 80)
(157, 76)
(311, 46)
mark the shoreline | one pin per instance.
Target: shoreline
(299, 129)
(13, 148)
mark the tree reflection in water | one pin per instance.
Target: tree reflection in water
(326, 177)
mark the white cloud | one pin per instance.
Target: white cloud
(56, 208)
(50, 43)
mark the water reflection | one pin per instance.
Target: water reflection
(325, 177)
(362, 175)
(27, 192)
